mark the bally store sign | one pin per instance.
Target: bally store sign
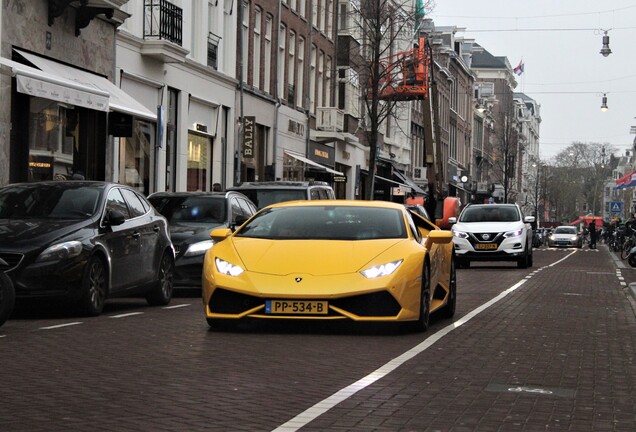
(249, 124)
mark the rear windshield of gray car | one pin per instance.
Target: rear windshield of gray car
(264, 197)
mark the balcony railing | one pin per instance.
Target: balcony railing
(213, 50)
(163, 21)
(330, 119)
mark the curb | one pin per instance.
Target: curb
(632, 289)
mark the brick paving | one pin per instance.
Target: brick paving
(557, 354)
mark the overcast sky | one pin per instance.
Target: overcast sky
(559, 42)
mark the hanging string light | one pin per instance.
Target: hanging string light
(605, 50)
(604, 103)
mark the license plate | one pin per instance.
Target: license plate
(296, 307)
(486, 246)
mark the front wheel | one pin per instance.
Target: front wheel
(425, 301)
(449, 309)
(7, 297)
(94, 287)
(161, 293)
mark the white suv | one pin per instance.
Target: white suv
(492, 232)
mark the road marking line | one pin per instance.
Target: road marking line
(126, 315)
(325, 405)
(60, 326)
(177, 306)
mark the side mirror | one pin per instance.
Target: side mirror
(238, 221)
(528, 219)
(220, 234)
(439, 237)
(452, 220)
(114, 218)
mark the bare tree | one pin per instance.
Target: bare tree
(385, 28)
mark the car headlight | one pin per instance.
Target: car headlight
(60, 251)
(573, 238)
(551, 237)
(460, 234)
(227, 268)
(515, 233)
(199, 248)
(381, 270)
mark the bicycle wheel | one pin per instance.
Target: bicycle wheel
(627, 246)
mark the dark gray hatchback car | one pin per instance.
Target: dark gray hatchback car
(85, 241)
(191, 216)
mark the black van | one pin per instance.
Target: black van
(263, 194)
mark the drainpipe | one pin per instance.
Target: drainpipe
(241, 130)
(276, 95)
(307, 82)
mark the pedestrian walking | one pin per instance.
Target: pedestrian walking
(593, 234)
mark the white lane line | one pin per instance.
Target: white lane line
(126, 315)
(1, 336)
(60, 326)
(177, 306)
(325, 405)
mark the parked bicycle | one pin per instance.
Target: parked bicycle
(628, 244)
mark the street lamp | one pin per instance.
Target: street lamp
(536, 192)
(605, 50)
(604, 103)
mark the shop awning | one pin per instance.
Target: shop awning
(35, 82)
(628, 180)
(404, 185)
(310, 162)
(409, 181)
(118, 99)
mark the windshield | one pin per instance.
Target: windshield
(264, 197)
(565, 230)
(490, 213)
(326, 223)
(197, 209)
(48, 201)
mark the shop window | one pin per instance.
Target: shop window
(135, 157)
(53, 139)
(199, 151)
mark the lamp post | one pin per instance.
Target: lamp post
(536, 192)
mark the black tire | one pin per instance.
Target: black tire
(7, 297)
(449, 309)
(94, 287)
(421, 325)
(161, 292)
(522, 263)
(625, 250)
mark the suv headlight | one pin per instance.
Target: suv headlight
(460, 234)
(515, 233)
(227, 268)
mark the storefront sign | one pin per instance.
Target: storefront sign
(249, 123)
(339, 178)
(296, 128)
(120, 124)
(322, 154)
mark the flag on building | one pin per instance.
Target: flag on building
(519, 69)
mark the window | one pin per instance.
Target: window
(323, 16)
(292, 68)
(244, 45)
(256, 69)
(329, 14)
(301, 72)
(282, 37)
(312, 80)
(320, 79)
(328, 101)
(199, 149)
(268, 54)
(292, 4)
(314, 13)
(116, 202)
(301, 7)
(134, 204)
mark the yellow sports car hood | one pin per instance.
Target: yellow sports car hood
(315, 257)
